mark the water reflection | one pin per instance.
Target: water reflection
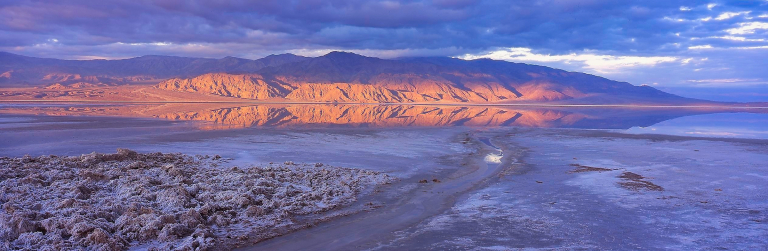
(717, 125)
(229, 116)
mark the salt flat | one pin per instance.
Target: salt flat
(693, 194)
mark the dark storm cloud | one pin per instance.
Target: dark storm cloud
(553, 25)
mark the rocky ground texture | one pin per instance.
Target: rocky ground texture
(160, 201)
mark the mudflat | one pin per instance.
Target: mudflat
(576, 189)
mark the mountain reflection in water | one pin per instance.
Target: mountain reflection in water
(232, 116)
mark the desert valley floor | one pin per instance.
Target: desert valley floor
(440, 178)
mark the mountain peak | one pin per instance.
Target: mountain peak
(343, 55)
(284, 56)
(4, 54)
(156, 57)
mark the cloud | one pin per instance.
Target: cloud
(596, 62)
(747, 28)
(406, 24)
(729, 15)
(743, 39)
(752, 47)
(732, 82)
(561, 26)
(700, 47)
(728, 80)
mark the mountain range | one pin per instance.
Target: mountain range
(337, 77)
(17, 70)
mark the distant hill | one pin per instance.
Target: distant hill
(17, 70)
(338, 77)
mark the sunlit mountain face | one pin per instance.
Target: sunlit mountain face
(232, 116)
(334, 77)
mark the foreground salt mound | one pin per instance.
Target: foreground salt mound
(161, 201)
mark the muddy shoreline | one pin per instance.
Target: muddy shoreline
(428, 199)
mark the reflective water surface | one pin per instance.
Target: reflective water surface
(233, 116)
(718, 125)
(83, 128)
(508, 175)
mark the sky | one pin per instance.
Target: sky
(717, 49)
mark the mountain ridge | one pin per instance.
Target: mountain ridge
(337, 77)
(348, 77)
(32, 71)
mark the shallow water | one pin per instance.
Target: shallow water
(541, 205)
(207, 129)
(403, 140)
(719, 125)
(710, 199)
